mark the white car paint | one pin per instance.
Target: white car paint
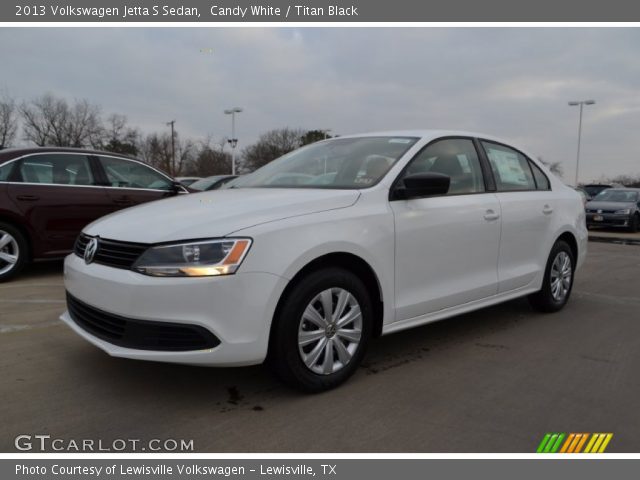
(433, 257)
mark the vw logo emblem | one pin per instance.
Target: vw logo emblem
(90, 250)
(599, 211)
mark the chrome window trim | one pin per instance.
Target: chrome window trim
(84, 186)
(89, 186)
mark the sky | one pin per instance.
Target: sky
(513, 83)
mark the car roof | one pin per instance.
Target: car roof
(427, 133)
(11, 153)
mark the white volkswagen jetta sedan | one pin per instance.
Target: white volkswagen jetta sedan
(304, 260)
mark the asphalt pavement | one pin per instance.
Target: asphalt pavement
(495, 380)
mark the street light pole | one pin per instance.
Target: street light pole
(173, 147)
(580, 103)
(233, 140)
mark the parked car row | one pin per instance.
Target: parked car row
(47, 195)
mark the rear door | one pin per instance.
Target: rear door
(527, 206)
(130, 182)
(57, 195)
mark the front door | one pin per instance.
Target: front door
(446, 246)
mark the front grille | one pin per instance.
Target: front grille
(140, 334)
(111, 252)
(602, 211)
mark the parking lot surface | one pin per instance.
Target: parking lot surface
(494, 380)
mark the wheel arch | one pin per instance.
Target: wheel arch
(572, 242)
(348, 261)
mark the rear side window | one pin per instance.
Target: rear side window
(510, 168)
(56, 169)
(542, 182)
(128, 174)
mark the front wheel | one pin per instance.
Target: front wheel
(558, 280)
(13, 251)
(322, 330)
(634, 225)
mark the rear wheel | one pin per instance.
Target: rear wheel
(558, 280)
(322, 331)
(13, 251)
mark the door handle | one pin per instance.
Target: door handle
(490, 216)
(28, 198)
(547, 210)
(123, 201)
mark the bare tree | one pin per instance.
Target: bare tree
(632, 181)
(118, 136)
(8, 121)
(210, 159)
(555, 167)
(37, 119)
(84, 125)
(271, 145)
(155, 150)
(48, 120)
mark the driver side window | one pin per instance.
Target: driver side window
(454, 157)
(124, 173)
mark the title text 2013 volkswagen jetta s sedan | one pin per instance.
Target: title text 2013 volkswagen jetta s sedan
(304, 260)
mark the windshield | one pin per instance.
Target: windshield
(593, 190)
(205, 183)
(349, 163)
(623, 196)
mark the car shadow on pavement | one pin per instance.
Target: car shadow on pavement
(40, 269)
(241, 387)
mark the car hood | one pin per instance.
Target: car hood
(610, 205)
(216, 213)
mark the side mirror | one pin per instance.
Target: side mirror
(177, 187)
(422, 185)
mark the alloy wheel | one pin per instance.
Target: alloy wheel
(9, 252)
(330, 331)
(561, 273)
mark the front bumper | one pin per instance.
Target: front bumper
(608, 220)
(236, 309)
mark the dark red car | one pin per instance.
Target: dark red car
(47, 195)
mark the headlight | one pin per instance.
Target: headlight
(194, 259)
(624, 211)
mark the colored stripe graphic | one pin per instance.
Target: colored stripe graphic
(550, 443)
(598, 442)
(574, 443)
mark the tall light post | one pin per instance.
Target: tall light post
(173, 146)
(233, 141)
(580, 103)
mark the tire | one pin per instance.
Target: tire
(635, 223)
(560, 266)
(13, 251)
(298, 331)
